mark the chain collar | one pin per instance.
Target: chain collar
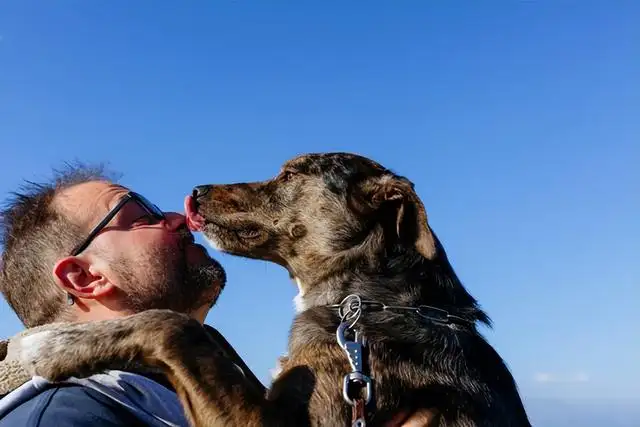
(352, 307)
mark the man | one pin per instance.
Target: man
(84, 248)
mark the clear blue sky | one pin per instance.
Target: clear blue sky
(518, 122)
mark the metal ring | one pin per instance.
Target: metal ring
(358, 377)
(350, 309)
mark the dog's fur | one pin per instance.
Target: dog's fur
(340, 224)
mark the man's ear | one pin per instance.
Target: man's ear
(399, 197)
(75, 276)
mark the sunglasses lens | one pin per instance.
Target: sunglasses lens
(153, 209)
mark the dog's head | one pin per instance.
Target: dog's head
(321, 211)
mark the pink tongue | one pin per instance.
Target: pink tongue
(195, 221)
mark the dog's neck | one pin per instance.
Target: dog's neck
(403, 278)
(298, 300)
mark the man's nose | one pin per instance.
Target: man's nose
(200, 190)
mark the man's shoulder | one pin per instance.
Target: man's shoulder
(69, 405)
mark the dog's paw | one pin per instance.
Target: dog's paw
(38, 351)
(27, 350)
(60, 351)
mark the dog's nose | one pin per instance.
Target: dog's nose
(200, 190)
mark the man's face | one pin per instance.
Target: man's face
(153, 263)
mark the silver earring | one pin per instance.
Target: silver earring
(70, 299)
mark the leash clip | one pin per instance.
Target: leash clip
(353, 349)
(355, 383)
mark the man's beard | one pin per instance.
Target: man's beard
(163, 279)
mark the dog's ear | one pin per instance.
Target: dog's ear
(397, 198)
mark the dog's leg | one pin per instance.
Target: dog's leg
(211, 388)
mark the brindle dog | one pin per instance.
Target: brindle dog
(345, 228)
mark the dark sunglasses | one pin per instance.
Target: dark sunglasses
(149, 207)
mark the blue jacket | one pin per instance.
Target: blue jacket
(73, 406)
(112, 398)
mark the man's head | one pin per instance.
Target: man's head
(140, 258)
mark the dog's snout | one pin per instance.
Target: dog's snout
(200, 190)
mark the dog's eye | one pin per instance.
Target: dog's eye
(249, 233)
(287, 175)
